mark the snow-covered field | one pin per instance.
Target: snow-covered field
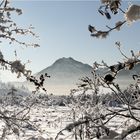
(48, 121)
(46, 117)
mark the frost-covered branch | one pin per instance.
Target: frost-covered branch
(9, 29)
(92, 108)
(104, 34)
(19, 68)
(131, 129)
(132, 14)
(15, 119)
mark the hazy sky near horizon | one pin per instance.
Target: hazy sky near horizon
(63, 30)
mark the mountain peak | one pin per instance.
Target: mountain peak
(65, 73)
(64, 59)
(67, 66)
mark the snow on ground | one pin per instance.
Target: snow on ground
(49, 121)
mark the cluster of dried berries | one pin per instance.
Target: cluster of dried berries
(113, 6)
(109, 78)
(39, 83)
(135, 95)
(117, 68)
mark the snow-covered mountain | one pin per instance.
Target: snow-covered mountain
(66, 69)
(65, 73)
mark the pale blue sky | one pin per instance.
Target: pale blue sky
(63, 30)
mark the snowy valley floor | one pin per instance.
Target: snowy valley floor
(49, 121)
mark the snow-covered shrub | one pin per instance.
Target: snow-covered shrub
(13, 119)
(93, 112)
(93, 116)
(17, 67)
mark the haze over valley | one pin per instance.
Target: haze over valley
(65, 74)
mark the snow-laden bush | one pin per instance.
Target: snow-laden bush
(93, 114)
(13, 119)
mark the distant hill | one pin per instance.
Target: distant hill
(66, 69)
(65, 73)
